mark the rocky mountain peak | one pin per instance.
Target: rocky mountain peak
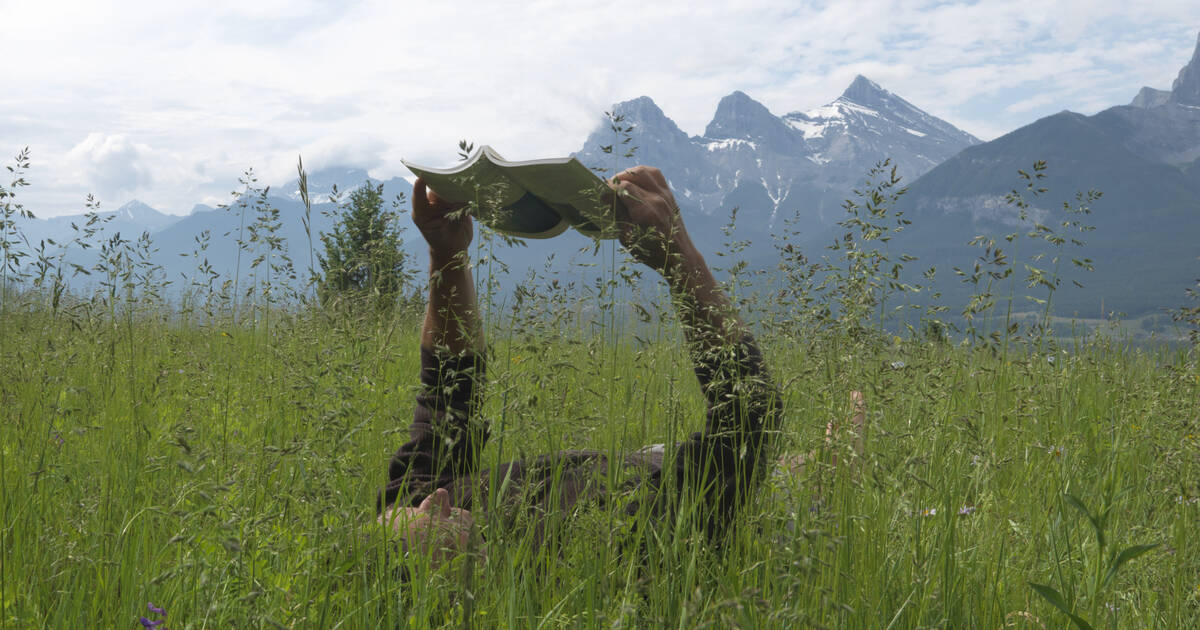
(865, 92)
(644, 113)
(739, 116)
(1149, 97)
(1186, 89)
(134, 209)
(141, 216)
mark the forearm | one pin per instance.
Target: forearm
(709, 319)
(452, 321)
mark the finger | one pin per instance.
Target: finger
(420, 201)
(649, 175)
(427, 503)
(420, 192)
(441, 203)
(443, 503)
(631, 194)
(463, 517)
(639, 175)
(859, 416)
(389, 517)
(434, 199)
(427, 201)
(630, 211)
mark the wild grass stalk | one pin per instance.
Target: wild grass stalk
(225, 467)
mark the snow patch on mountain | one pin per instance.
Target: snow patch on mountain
(730, 143)
(804, 162)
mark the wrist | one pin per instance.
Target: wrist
(685, 265)
(441, 258)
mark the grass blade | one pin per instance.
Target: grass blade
(1129, 553)
(1056, 600)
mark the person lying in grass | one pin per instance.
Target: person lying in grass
(435, 480)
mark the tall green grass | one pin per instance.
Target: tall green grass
(228, 474)
(222, 461)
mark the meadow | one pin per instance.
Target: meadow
(217, 457)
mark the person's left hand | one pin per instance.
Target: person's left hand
(446, 228)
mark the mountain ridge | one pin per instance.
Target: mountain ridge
(804, 163)
(1185, 90)
(1145, 159)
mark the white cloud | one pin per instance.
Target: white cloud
(116, 167)
(183, 96)
(111, 164)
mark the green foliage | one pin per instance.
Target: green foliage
(228, 473)
(1104, 565)
(1189, 316)
(225, 467)
(12, 245)
(870, 274)
(363, 262)
(996, 262)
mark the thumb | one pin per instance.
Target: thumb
(437, 504)
(421, 202)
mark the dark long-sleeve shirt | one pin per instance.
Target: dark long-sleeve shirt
(719, 465)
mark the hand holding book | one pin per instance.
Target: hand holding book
(650, 225)
(533, 199)
(442, 224)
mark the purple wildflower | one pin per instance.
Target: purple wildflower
(967, 510)
(148, 624)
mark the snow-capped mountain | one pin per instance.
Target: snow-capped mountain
(804, 162)
(130, 220)
(322, 182)
(867, 119)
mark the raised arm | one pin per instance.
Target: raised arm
(446, 436)
(654, 233)
(724, 462)
(452, 316)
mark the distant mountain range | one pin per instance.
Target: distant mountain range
(771, 166)
(210, 234)
(1144, 157)
(133, 217)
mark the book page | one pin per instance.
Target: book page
(569, 186)
(500, 202)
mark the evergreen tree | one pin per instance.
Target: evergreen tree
(363, 260)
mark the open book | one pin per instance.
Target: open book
(533, 199)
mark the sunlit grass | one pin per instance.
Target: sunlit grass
(217, 454)
(226, 474)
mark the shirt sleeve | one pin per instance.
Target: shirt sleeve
(722, 465)
(446, 436)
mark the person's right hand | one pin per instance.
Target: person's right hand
(446, 228)
(652, 228)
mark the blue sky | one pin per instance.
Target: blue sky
(169, 102)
